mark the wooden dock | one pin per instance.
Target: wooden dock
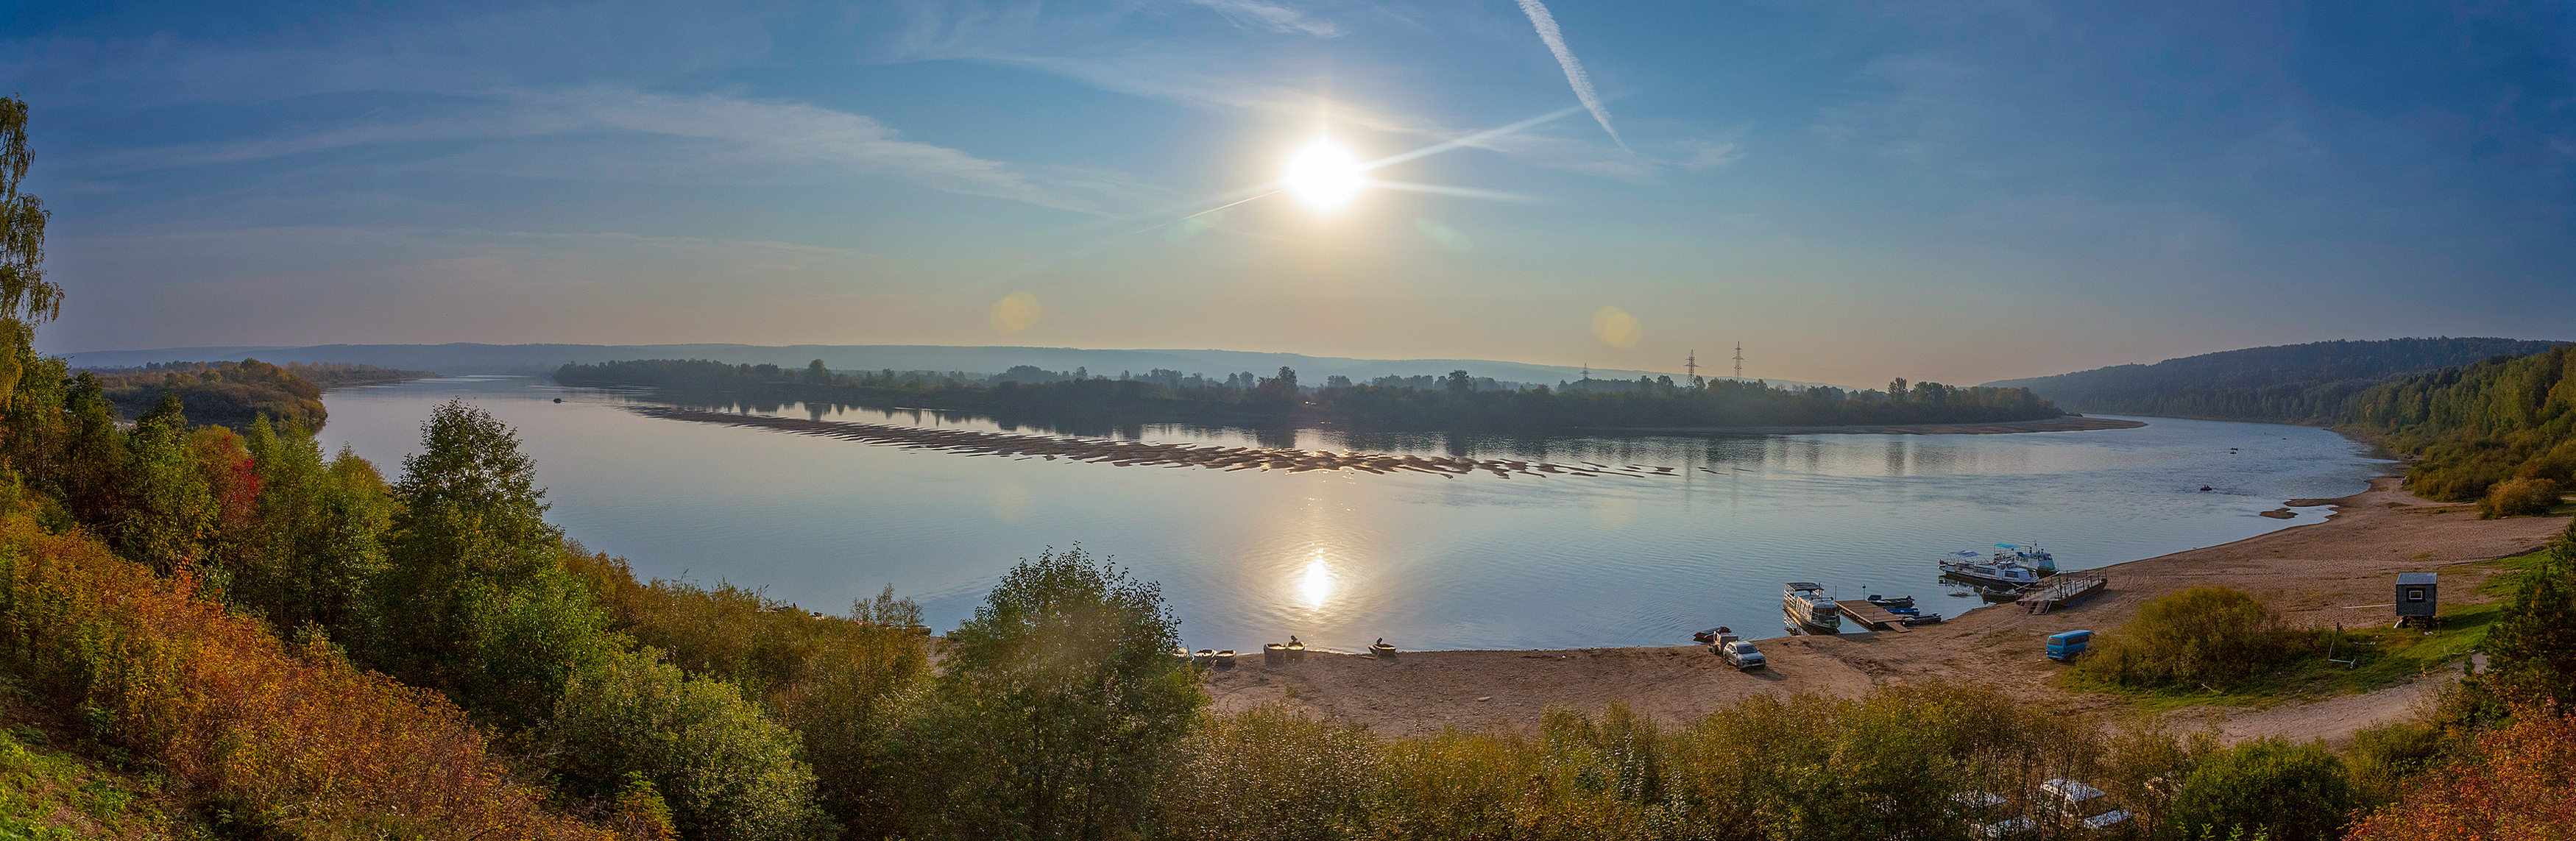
(1872, 616)
(2061, 591)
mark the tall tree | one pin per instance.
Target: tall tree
(26, 298)
(1061, 702)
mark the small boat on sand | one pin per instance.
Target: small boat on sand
(1809, 608)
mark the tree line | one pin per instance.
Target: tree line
(234, 394)
(1457, 401)
(2309, 384)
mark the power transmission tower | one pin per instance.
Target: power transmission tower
(1692, 366)
(1739, 360)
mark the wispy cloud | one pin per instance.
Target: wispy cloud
(1574, 75)
(1270, 16)
(721, 131)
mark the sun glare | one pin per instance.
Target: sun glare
(1323, 175)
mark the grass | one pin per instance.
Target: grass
(2383, 656)
(49, 795)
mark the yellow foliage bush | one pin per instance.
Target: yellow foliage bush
(293, 738)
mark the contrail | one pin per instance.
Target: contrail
(1574, 75)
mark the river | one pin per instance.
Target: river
(1342, 558)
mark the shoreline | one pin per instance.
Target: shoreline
(2314, 574)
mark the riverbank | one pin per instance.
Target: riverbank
(2315, 574)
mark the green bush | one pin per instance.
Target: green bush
(2290, 792)
(1058, 706)
(726, 771)
(2518, 497)
(2383, 757)
(1269, 774)
(2210, 636)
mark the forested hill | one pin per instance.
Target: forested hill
(2308, 383)
(235, 394)
(2503, 429)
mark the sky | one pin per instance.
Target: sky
(1944, 190)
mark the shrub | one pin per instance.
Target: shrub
(294, 740)
(2204, 635)
(2518, 497)
(2384, 757)
(2513, 786)
(2290, 792)
(1269, 774)
(724, 770)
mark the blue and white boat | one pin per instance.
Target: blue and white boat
(2009, 575)
(2028, 555)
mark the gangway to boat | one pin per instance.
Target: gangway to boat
(1871, 615)
(2062, 591)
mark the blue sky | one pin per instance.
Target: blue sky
(1957, 191)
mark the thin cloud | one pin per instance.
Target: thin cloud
(1574, 75)
(1270, 16)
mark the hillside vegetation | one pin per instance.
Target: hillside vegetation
(2310, 383)
(1457, 402)
(2482, 427)
(234, 394)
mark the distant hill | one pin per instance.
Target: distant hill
(465, 358)
(2310, 383)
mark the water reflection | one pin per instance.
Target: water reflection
(1342, 558)
(1316, 585)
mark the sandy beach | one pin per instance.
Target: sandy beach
(2317, 574)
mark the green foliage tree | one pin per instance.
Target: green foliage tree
(173, 513)
(316, 546)
(725, 771)
(2289, 792)
(474, 600)
(1059, 704)
(2531, 649)
(26, 297)
(1269, 774)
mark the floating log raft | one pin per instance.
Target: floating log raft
(2061, 591)
(1132, 453)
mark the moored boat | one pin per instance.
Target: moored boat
(1990, 574)
(2027, 555)
(1809, 608)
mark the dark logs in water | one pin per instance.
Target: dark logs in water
(1130, 453)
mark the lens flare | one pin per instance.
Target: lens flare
(1323, 175)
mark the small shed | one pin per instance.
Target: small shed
(2417, 596)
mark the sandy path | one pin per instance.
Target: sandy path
(2314, 574)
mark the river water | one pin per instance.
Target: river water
(1342, 558)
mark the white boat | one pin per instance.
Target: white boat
(1809, 608)
(1965, 566)
(2026, 554)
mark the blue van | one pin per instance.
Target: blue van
(2066, 645)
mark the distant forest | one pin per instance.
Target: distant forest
(1458, 401)
(2310, 383)
(2481, 426)
(235, 394)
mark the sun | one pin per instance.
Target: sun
(1323, 175)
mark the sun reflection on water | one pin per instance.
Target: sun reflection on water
(1316, 585)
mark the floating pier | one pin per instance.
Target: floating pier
(2061, 591)
(1873, 616)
